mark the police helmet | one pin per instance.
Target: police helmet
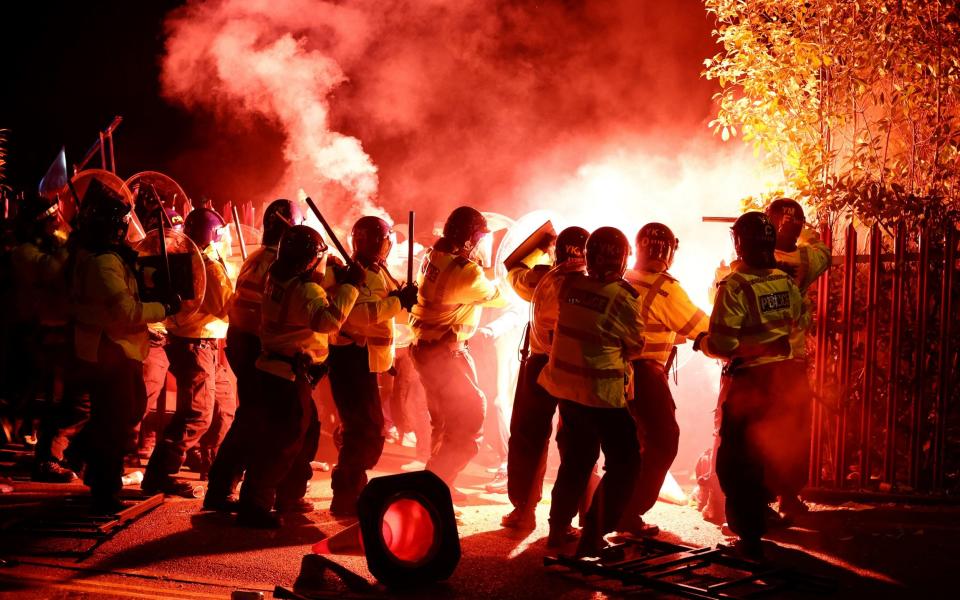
(371, 239)
(34, 214)
(571, 243)
(787, 217)
(104, 215)
(279, 216)
(301, 251)
(204, 226)
(465, 227)
(754, 239)
(656, 247)
(607, 250)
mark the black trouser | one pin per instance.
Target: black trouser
(242, 351)
(530, 427)
(583, 432)
(456, 404)
(655, 414)
(356, 395)
(790, 467)
(155, 369)
(194, 366)
(286, 423)
(117, 401)
(63, 419)
(224, 408)
(408, 402)
(749, 444)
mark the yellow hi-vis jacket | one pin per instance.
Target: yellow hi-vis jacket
(296, 318)
(106, 302)
(754, 310)
(546, 304)
(669, 317)
(809, 261)
(40, 283)
(524, 277)
(209, 321)
(599, 332)
(371, 322)
(453, 291)
(244, 313)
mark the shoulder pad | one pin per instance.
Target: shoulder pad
(626, 285)
(461, 261)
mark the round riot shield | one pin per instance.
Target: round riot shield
(144, 184)
(187, 274)
(168, 190)
(81, 181)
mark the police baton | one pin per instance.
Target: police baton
(410, 220)
(333, 237)
(163, 253)
(236, 223)
(719, 219)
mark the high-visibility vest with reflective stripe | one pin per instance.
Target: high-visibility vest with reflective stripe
(453, 291)
(371, 322)
(754, 308)
(598, 333)
(296, 318)
(209, 321)
(810, 260)
(669, 317)
(524, 277)
(244, 311)
(40, 283)
(106, 302)
(546, 304)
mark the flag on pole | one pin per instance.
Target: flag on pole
(56, 179)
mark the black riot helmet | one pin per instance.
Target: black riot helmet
(104, 216)
(788, 219)
(279, 216)
(301, 251)
(465, 227)
(204, 226)
(372, 240)
(607, 251)
(36, 216)
(754, 239)
(571, 244)
(656, 247)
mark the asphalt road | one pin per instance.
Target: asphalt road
(175, 551)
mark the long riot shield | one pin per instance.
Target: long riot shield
(187, 274)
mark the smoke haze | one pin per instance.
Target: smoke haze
(429, 104)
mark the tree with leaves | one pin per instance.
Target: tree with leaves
(857, 102)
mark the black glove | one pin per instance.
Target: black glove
(173, 305)
(407, 294)
(353, 275)
(699, 341)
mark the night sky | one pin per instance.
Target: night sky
(69, 69)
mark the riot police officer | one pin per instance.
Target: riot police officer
(110, 338)
(453, 290)
(756, 309)
(362, 348)
(803, 255)
(599, 332)
(194, 348)
(669, 318)
(296, 318)
(242, 350)
(531, 421)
